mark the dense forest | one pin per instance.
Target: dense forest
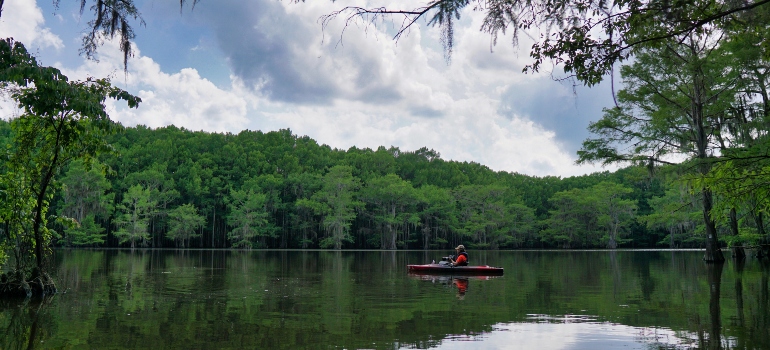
(172, 187)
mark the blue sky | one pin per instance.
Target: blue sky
(230, 65)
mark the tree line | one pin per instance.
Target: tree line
(172, 187)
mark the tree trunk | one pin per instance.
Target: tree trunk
(713, 252)
(738, 252)
(613, 244)
(393, 230)
(760, 224)
(39, 240)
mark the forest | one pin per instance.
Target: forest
(171, 187)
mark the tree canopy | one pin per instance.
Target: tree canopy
(61, 121)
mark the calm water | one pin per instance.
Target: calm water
(322, 300)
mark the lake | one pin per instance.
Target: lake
(218, 299)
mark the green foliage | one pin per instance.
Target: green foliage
(672, 110)
(490, 217)
(87, 233)
(314, 205)
(294, 210)
(614, 210)
(18, 203)
(572, 223)
(61, 121)
(392, 204)
(436, 207)
(743, 239)
(580, 216)
(677, 213)
(133, 218)
(83, 189)
(335, 202)
(185, 221)
(248, 217)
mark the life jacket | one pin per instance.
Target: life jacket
(466, 259)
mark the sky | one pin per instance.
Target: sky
(232, 65)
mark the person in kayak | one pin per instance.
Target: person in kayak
(462, 257)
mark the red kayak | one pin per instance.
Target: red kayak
(458, 270)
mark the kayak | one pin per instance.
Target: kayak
(446, 278)
(458, 270)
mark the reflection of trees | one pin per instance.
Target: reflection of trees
(762, 323)
(616, 280)
(714, 340)
(646, 280)
(738, 265)
(26, 324)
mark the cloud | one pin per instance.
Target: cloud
(281, 51)
(270, 50)
(184, 98)
(557, 106)
(23, 20)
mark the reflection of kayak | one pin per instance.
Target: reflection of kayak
(455, 270)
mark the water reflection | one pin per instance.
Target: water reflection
(459, 283)
(569, 334)
(714, 340)
(462, 287)
(323, 299)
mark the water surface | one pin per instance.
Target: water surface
(216, 299)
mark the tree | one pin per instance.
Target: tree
(86, 233)
(391, 202)
(677, 213)
(615, 211)
(185, 222)
(83, 197)
(674, 98)
(136, 209)
(272, 186)
(436, 208)
(336, 202)
(162, 190)
(248, 217)
(485, 217)
(62, 120)
(302, 217)
(741, 180)
(573, 221)
(18, 203)
(83, 191)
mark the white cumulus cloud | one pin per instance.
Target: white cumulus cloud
(23, 20)
(182, 98)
